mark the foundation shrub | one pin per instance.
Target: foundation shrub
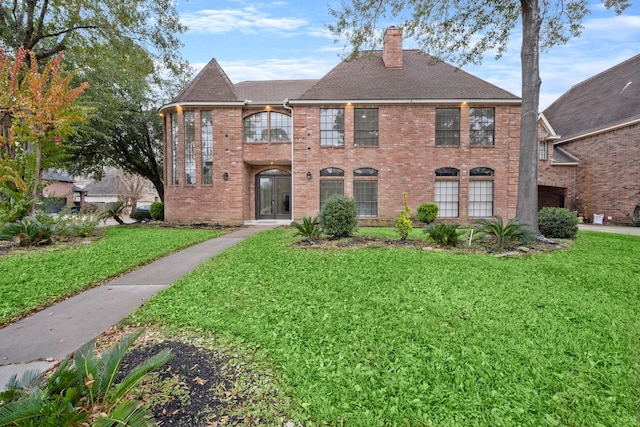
(157, 211)
(444, 234)
(338, 216)
(559, 223)
(427, 212)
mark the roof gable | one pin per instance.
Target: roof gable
(420, 77)
(211, 84)
(607, 99)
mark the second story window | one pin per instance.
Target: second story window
(447, 126)
(482, 125)
(267, 127)
(366, 126)
(332, 127)
(543, 150)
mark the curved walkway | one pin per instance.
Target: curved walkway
(42, 340)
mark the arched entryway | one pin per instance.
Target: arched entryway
(273, 194)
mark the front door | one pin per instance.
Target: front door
(273, 195)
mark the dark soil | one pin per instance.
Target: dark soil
(205, 383)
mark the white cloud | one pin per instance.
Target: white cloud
(246, 20)
(274, 69)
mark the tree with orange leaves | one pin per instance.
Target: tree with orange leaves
(40, 104)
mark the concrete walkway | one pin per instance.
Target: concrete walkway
(617, 229)
(42, 340)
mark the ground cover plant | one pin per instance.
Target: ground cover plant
(30, 279)
(397, 336)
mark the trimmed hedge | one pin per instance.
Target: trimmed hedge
(157, 211)
(559, 223)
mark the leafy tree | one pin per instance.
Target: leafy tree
(129, 53)
(463, 31)
(42, 108)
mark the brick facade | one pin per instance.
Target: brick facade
(406, 159)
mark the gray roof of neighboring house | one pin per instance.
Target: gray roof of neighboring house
(107, 186)
(421, 77)
(607, 99)
(362, 79)
(51, 175)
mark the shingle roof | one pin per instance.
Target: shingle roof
(606, 99)
(562, 156)
(51, 175)
(211, 84)
(272, 91)
(420, 78)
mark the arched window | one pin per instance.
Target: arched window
(447, 192)
(331, 182)
(481, 192)
(267, 127)
(365, 191)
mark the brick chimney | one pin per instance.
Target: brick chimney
(392, 50)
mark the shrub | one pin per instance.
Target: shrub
(338, 217)
(513, 232)
(28, 231)
(309, 228)
(157, 211)
(140, 216)
(403, 222)
(444, 234)
(559, 223)
(82, 392)
(427, 212)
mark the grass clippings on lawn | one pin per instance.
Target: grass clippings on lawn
(395, 336)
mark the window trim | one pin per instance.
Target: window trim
(477, 175)
(189, 141)
(366, 175)
(206, 147)
(447, 175)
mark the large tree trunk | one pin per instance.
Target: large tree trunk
(527, 204)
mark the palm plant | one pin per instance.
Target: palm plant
(309, 228)
(82, 391)
(115, 210)
(513, 232)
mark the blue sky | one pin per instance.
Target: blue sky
(288, 39)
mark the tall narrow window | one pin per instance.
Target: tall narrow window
(267, 127)
(543, 150)
(206, 135)
(447, 192)
(332, 127)
(366, 126)
(331, 182)
(481, 192)
(365, 191)
(189, 147)
(447, 126)
(174, 149)
(482, 124)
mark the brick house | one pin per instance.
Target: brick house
(391, 122)
(590, 146)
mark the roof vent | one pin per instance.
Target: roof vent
(392, 50)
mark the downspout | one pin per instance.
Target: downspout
(293, 139)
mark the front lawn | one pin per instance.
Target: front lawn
(396, 336)
(29, 280)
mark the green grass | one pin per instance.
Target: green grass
(386, 336)
(29, 280)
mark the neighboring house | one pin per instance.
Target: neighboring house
(590, 146)
(59, 191)
(115, 185)
(373, 128)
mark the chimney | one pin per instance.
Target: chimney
(392, 50)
